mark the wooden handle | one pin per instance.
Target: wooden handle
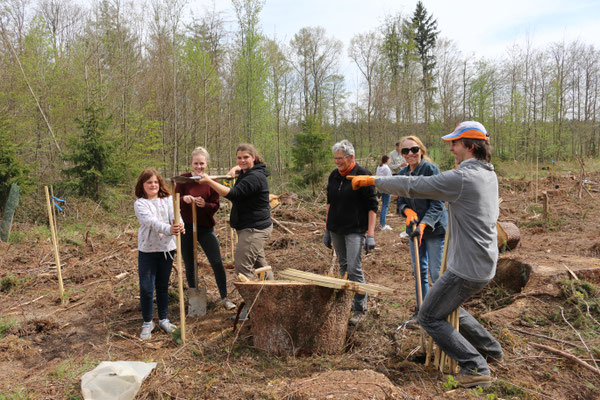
(179, 269)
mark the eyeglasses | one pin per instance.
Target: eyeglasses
(339, 158)
(414, 150)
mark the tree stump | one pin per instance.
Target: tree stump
(290, 318)
(508, 235)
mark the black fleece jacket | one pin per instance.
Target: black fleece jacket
(250, 199)
(348, 208)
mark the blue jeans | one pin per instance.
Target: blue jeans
(348, 249)
(385, 204)
(210, 244)
(469, 346)
(430, 259)
(154, 270)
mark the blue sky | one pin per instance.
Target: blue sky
(480, 28)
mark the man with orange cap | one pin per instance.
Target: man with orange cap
(471, 191)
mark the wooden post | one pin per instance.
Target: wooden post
(61, 290)
(546, 204)
(179, 267)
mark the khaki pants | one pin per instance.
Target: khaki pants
(250, 251)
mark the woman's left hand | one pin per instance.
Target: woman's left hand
(200, 202)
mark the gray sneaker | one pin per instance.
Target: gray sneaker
(167, 326)
(470, 381)
(413, 322)
(227, 304)
(147, 329)
(357, 318)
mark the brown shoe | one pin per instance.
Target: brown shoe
(494, 360)
(469, 381)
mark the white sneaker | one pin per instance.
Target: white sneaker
(227, 304)
(147, 329)
(403, 235)
(386, 228)
(167, 326)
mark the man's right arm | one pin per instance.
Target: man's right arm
(446, 186)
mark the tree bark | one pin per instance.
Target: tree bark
(290, 318)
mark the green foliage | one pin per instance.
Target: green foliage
(6, 324)
(309, 154)
(450, 383)
(93, 156)
(582, 303)
(251, 71)
(12, 170)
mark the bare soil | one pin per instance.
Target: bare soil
(46, 347)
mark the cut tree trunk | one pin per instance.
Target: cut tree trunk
(508, 235)
(290, 318)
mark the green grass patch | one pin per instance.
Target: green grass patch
(6, 324)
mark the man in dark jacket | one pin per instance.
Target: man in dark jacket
(350, 214)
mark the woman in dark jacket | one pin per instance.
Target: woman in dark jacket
(250, 211)
(430, 215)
(350, 215)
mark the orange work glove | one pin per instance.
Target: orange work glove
(359, 181)
(410, 216)
(418, 232)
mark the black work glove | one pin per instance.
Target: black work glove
(417, 232)
(369, 244)
(327, 239)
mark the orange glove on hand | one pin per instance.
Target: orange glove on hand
(418, 231)
(410, 216)
(359, 181)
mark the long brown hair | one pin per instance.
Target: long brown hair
(247, 147)
(144, 176)
(421, 145)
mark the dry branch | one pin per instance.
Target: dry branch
(566, 355)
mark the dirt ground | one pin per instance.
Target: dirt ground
(46, 347)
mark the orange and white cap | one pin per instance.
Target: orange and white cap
(468, 130)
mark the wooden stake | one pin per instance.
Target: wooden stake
(429, 349)
(61, 290)
(179, 267)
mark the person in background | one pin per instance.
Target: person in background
(471, 191)
(156, 246)
(350, 215)
(430, 218)
(397, 162)
(206, 201)
(250, 211)
(384, 170)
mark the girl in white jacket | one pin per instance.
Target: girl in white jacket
(156, 245)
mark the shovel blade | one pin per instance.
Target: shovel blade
(197, 298)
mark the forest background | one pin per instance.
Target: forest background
(90, 95)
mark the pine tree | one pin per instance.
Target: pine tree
(425, 28)
(12, 170)
(309, 154)
(95, 163)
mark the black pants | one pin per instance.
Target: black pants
(210, 244)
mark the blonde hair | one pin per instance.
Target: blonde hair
(200, 151)
(421, 145)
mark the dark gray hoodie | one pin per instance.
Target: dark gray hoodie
(472, 195)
